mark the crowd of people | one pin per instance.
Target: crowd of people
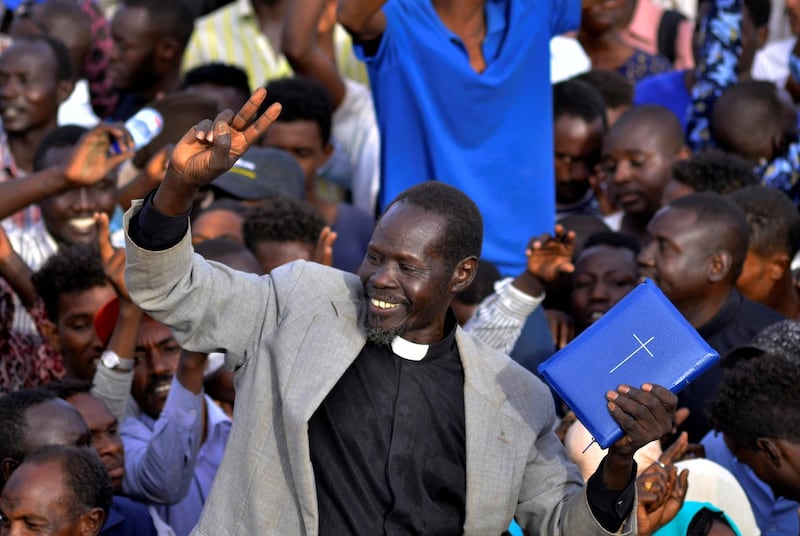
(314, 299)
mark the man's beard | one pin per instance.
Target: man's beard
(381, 336)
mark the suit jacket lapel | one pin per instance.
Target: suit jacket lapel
(329, 347)
(491, 442)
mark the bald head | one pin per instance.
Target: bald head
(655, 119)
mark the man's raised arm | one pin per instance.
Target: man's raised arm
(362, 18)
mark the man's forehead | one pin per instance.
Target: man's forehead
(54, 422)
(21, 51)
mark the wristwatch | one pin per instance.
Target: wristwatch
(112, 361)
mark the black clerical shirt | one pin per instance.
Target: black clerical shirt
(388, 444)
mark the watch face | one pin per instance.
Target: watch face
(110, 360)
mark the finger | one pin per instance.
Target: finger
(566, 268)
(221, 125)
(260, 125)
(199, 132)
(103, 236)
(675, 451)
(247, 112)
(221, 141)
(638, 413)
(668, 399)
(681, 414)
(115, 160)
(681, 485)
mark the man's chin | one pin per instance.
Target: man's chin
(381, 336)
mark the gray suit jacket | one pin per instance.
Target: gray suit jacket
(290, 336)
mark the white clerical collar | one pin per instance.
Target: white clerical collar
(409, 350)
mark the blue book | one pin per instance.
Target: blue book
(642, 339)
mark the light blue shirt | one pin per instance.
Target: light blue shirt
(166, 465)
(773, 516)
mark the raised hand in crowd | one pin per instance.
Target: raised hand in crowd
(549, 258)
(209, 149)
(661, 489)
(147, 178)
(323, 253)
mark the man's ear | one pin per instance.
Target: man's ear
(769, 451)
(719, 266)
(8, 466)
(50, 334)
(464, 274)
(92, 522)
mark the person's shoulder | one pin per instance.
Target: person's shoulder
(313, 278)
(758, 314)
(128, 517)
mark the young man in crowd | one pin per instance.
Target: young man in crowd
(774, 240)
(638, 153)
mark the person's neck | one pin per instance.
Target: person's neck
(465, 18)
(23, 145)
(701, 310)
(169, 83)
(602, 42)
(635, 226)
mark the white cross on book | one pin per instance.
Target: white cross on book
(642, 346)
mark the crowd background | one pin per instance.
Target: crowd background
(622, 138)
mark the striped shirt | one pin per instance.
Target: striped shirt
(499, 319)
(232, 35)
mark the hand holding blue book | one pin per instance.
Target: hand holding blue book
(642, 339)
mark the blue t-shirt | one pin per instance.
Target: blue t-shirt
(488, 134)
(667, 90)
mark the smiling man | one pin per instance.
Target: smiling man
(361, 406)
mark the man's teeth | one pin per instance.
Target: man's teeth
(596, 315)
(380, 304)
(82, 224)
(163, 388)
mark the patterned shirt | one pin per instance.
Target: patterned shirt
(715, 72)
(25, 360)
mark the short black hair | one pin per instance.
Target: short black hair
(772, 219)
(84, 475)
(614, 240)
(59, 50)
(302, 99)
(13, 407)
(615, 88)
(758, 398)
(66, 388)
(219, 74)
(463, 236)
(760, 11)
(171, 18)
(578, 98)
(716, 171)
(74, 268)
(64, 136)
(724, 225)
(747, 115)
(281, 219)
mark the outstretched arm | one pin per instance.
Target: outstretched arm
(90, 162)
(306, 23)
(362, 18)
